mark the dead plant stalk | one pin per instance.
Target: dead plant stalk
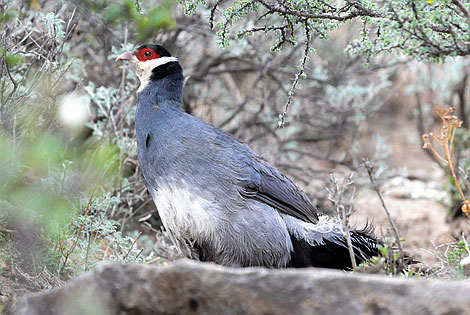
(335, 195)
(445, 139)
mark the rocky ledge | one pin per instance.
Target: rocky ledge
(188, 287)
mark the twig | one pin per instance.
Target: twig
(130, 248)
(322, 15)
(370, 171)
(212, 16)
(461, 6)
(87, 251)
(335, 195)
(78, 232)
(138, 7)
(282, 116)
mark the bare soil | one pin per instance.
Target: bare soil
(421, 222)
(417, 201)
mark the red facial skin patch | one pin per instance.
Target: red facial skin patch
(147, 54)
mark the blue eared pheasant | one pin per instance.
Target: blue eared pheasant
(218, 200)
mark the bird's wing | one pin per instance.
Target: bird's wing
(257, 179)
(268, 185)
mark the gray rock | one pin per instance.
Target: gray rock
(465, 263)
(188, 287)
(401, 187)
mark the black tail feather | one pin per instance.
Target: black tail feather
(334, 254)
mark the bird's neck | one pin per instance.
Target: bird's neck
(165, 87)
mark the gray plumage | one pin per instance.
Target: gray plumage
(218, 199)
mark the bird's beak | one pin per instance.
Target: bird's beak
(128, 55)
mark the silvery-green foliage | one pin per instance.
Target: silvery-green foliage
(54, 25)
(36, 62)
(421, 29)
(100, 237)
(113, 122)
(62, 175)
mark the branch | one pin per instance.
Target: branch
(370, 171)
(282, 117)
(332, 16)
(461, 7)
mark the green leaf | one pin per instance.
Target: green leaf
(14, 60)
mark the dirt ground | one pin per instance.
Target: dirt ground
(416, 200)
(420, 222)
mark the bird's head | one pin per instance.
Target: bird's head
(150, 62)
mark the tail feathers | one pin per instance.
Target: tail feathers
(333, 251)
(365, 243)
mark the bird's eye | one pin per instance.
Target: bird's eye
(146, 54)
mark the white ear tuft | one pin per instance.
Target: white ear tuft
(144, 69)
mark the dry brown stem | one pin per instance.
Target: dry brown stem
(445, 139)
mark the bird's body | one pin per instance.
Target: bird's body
(216, 197)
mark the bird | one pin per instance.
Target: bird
(219, 200)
